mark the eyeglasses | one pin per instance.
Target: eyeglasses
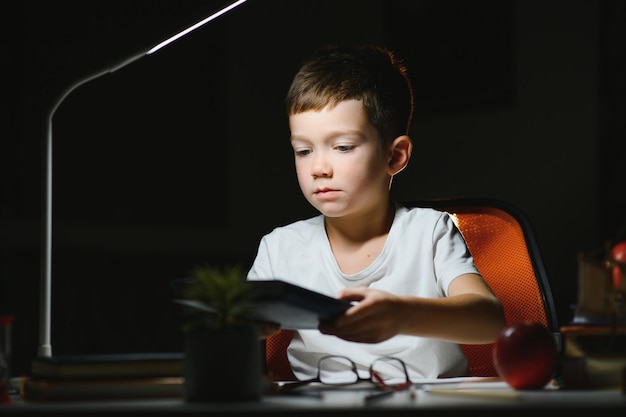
(340, 370)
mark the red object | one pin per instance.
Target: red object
(617, 276)
(525, 355)
(4, 394)
(618, 254)
(5, 320)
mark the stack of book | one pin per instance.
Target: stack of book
(109, 376)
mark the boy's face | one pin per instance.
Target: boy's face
(341, 167)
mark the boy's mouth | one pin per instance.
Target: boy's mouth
(326, 193)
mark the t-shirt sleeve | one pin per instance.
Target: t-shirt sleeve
(262, 266)
(452, 256)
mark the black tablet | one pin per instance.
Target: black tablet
(292, 306)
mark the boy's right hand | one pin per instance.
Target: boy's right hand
(375, 318)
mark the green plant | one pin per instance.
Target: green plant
(216, 297)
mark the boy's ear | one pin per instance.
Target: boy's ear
(401, 149)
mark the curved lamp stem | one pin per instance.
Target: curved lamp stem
(45, 301)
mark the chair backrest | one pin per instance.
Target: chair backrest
(505, 250)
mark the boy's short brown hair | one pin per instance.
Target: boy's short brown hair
(368, 73)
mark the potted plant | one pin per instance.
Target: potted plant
(223, 354)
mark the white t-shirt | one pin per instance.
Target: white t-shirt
(423, 253)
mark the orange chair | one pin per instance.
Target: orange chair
(505, 250)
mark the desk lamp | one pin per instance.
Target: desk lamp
(45, 347)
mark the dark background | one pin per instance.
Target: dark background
(182, 157)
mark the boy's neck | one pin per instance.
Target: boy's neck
(356, 230)
(358, 241)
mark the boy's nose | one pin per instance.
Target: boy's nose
(321, 167)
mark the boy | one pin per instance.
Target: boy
(417, 291)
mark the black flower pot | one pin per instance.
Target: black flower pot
(223, 365)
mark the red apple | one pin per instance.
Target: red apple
(618, 254)
(525, 355)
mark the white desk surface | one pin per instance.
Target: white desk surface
(487, 400)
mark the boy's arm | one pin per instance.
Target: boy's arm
(471, 314)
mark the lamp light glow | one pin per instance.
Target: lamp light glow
(194, 27)
(45, 296)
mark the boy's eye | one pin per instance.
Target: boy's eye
(302, 152)
(344, 148)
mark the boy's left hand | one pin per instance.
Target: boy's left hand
(376, 317)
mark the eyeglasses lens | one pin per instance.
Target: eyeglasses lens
(337, 370)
